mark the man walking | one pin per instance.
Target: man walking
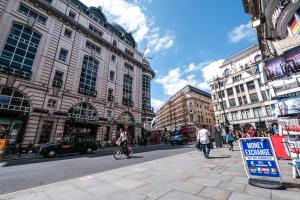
(204, 140)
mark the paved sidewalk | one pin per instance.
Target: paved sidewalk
(186, 176)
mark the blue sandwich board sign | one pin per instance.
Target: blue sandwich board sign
(260, 160)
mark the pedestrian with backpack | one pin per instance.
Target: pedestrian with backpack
(230, 139)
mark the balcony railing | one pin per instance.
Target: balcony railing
(87, 91)
(21, 73)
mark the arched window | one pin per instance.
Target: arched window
(88, 77)
(11, 99)
(83, 111)
(127, 90)
(19, 51)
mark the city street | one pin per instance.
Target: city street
(27, 173)
(184, 176)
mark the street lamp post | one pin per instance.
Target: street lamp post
(226, 123)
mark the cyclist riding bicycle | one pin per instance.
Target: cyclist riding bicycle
(124, 141)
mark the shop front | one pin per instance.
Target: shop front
(14, 111)
(82, 119)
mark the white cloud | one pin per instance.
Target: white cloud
(156, 103)
(179, 77)
(241, 32)
(131, 16)
(212, 70)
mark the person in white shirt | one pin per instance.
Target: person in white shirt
(204, 140)
(124, 141)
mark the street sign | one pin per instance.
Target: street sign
(260, 162)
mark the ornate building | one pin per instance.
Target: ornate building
(278, 30)
(240, 97)
(65, 69)
(190, 106)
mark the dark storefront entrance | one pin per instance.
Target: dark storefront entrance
(14, 111)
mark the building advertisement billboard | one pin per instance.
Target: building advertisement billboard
(285, 65)
(287, 106)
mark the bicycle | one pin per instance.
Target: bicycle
(119, 153)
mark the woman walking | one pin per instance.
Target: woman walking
(230, 139)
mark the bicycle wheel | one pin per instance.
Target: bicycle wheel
(118, 154)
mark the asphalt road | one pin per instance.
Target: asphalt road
(23, 174)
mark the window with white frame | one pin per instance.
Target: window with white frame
(68, 33)
(52, 103)
(32, 14)
(63, 53)
(88, 75)
(20, 49)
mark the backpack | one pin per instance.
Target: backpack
(230, 138)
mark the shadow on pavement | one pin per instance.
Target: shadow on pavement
(291, 185)
(215, 157)
(140, 149)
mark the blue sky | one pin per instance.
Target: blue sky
(188, 39)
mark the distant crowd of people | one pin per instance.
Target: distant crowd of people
(205, 139)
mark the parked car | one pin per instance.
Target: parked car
(69, 144)
(179, 139)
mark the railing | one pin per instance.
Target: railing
(147, 108)
(87, 91)
(57, 83)
(110, 98)
(15, 71)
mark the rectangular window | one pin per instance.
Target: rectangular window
(88, 76)
(93, 47)
(114, 42)
(95, 30)
(191, 117)
(52, 103)
(108, 113)
(237, 89)
(127, 90)
(72, 14)
(58, 79)
(19, 51)
(270, 110)
(110, 94)
(63, 55)
(128, 66)
(264, 95)
(128, 52)
(257, 112)
(260, 82)
(240, 101)
(113, 58)
(229, 91)
(244, 114)
(32, 14)
(245, 100)
(68, 33)
(242, 88)
(234, 116)
(251, 85)
(111, 75)
(254, 98)
(248, 113)
(232, 103)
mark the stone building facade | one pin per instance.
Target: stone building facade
(277, 23)
(240, 97)
(65, 69)
(188, 107)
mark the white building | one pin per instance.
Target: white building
(240, 97)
